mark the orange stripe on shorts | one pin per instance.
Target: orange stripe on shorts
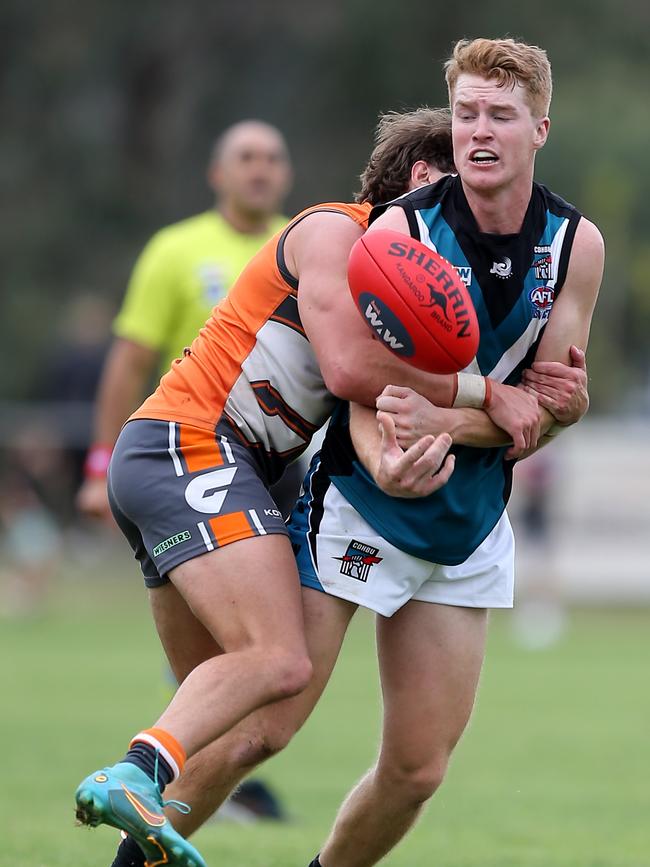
(199, 448)
(231, 528)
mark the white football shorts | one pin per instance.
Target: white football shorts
(339, 553)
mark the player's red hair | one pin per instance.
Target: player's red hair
(509, 62)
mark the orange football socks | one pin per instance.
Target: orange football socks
(165, 745)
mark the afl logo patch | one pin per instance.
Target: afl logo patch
(541, 299)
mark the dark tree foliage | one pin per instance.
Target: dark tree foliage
(109, 111)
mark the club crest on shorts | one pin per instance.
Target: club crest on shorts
(358, 559)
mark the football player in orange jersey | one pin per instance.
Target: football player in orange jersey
(224, 413)
(189, 477)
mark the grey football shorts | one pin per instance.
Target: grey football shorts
(178, 491)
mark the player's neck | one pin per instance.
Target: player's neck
(241, 221)
(500, 212)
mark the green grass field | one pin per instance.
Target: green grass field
(554, 770)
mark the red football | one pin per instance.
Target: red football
(414, 301)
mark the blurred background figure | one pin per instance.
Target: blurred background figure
(41, 463)
(539, 617)
(185, 270)
(30, 535)
(70, 377)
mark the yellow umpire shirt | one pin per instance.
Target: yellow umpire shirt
(184, 270)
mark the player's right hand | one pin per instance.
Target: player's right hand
(517, 413)
(562, 389)
(420, 470)
(92, 500)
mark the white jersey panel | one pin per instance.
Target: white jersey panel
(280, 399)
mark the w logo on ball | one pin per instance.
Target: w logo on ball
(386, 325)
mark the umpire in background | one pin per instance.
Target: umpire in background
(183, 271)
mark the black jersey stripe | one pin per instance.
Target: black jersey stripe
(318, 486)
(287, 313)
(287, 276)
(272, 403)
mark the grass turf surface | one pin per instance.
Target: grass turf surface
(554, 770)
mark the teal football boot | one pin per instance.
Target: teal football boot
(124, 797)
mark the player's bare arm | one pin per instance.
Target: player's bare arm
(128, 369)
(126, 373)
(420, 470)
(415, 417)
(354, 365)
(566, 335)
(513, 410)
(561, 389)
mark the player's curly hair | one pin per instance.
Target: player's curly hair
(509, 62)
(401, 139)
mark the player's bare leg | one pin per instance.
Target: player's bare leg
(430, 659)
(247, 596)
(212, 773)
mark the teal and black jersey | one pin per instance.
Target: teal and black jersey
(513, 281)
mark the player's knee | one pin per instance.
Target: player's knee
(274, 740)
(257, 747)
(426, 781)
(416, 783)
(290, 674)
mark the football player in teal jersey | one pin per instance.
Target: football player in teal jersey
(535, 266)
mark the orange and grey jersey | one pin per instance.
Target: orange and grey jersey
(252, 365)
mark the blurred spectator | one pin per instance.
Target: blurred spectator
(184, 270)
(539, 617)
(29, 532)
(70, 378)
(42, 456)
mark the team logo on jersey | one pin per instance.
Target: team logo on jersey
(465, 274)
(358, 559)
(212, 278)
(541, 299)
(543, 266)
(502, 269)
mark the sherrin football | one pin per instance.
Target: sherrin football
(414, 301)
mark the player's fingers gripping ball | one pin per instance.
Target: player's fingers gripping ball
(414, 301)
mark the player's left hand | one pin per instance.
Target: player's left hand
(417, 472)
(560, 388)
(413, 415)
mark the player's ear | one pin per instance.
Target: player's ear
(419, 174)
(541, 132)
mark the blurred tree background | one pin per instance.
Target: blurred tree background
(109, 110)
